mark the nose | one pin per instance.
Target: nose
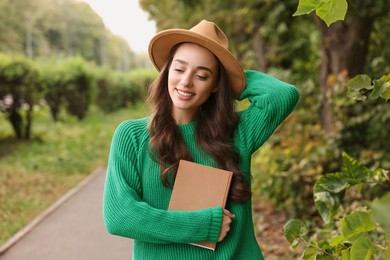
(186, 80)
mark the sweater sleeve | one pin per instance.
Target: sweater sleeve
(271, 101)
(126, 214)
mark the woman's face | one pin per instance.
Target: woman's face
(192, 78)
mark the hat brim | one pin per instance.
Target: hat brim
(161, 44)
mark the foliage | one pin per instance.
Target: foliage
(127, 89)
(19, 92)
(57, 29)
(356, 235)
(262, 34)
(350, 230)
(78, 84)
(72, 84)
(360, 85)
(53, 80)
(287, 166)
(329, 190)
(329, 11)
(379, 49)
(366, 124)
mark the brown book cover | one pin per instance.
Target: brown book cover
(197, 187)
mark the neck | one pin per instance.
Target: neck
(184, 117)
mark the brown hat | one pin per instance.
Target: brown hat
(206, 34)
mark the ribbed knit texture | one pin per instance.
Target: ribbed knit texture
(135, 202)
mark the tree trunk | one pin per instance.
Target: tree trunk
(260, 51)
(16, 121)
(344, 46)
(29, 117)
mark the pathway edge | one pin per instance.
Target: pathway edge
(38, 219)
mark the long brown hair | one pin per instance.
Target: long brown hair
(216, 124)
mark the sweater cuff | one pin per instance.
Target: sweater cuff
(215, 225)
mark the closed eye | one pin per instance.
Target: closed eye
(203, 78)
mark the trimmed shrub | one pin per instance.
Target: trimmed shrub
(19, 92)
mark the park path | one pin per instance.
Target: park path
(72, 228)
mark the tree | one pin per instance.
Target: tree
(257, 29)
(344, 44)
(54, 29)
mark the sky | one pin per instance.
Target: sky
(126, 18)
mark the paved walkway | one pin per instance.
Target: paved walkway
(72, 228)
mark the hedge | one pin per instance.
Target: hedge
(72, 85)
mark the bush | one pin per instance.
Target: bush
(121, 90)
(53, 80)
(20, 90)
(140, 81)
(353, 228)
(111, 96)
(78, 86)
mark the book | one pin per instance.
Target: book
(197, 187)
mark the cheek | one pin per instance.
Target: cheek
(172, 80)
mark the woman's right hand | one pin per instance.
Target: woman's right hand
(226, 221)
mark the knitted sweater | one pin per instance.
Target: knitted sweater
(135, 202)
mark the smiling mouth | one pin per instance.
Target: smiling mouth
(185, 94)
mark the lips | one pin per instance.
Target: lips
(184, 93)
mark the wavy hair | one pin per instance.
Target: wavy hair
(217, 121)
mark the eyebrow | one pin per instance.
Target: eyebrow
(199, 67)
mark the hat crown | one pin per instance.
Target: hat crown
(211, 31)
(206, 34)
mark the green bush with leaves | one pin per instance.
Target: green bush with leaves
(109, 97)
(287, 166)
(20, 91)
(53, 79)
(139, 83)
(121, 90)
(355, 226)
(78, 86)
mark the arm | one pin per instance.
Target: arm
(271, 102)
(125, 214)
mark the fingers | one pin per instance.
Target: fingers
(228, 213)
(226, 221)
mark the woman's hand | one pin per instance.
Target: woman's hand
(226, 221)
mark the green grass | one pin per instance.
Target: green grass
(35, 173)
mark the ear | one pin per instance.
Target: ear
(215, 89)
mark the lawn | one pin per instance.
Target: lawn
(35, 173)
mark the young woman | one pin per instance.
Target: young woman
(194, 118)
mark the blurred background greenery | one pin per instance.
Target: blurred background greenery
(66, 82)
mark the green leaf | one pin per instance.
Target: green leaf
(306, 6)
(334, 183)
(382, 88)
(356, 224)
(356, 85)
(326, 202)
(362, 248)
(294, 229)
(322, 256)
(309, 254)
(345, 255)
(331, 11)
(353, 170)
(335, 241)
(380, 211)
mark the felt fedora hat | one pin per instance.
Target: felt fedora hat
(206, 34)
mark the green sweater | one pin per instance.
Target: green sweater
(135, 202)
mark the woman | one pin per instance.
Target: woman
(194, 118)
